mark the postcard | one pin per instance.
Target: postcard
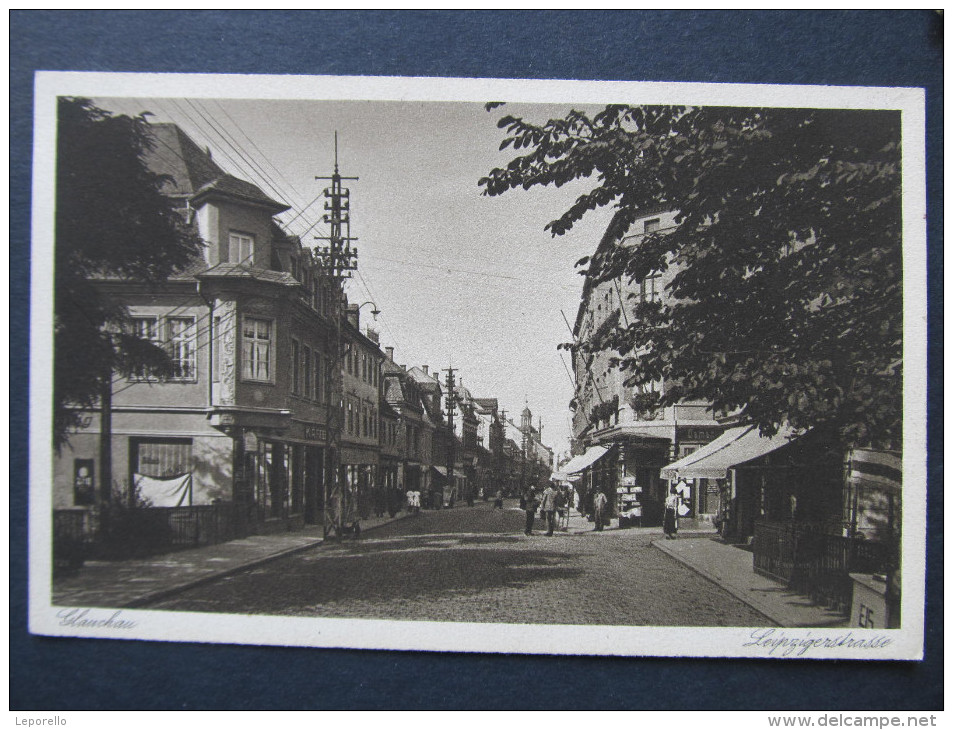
(481, 365)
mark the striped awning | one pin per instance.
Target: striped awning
(883, 468)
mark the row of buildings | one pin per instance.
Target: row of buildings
(812, 508)
(272, 372)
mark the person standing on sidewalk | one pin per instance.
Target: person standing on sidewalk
(549, 508)
(670, 522)
(599, 503)
(530, 504)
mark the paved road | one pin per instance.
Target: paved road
(474, 564)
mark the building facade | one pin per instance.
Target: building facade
(634, 439)
(243, 418)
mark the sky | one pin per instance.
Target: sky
(460, 278)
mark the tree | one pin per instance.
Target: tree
(786, 295)
(112, 222)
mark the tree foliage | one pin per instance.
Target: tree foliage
(785, 297)
(112, 222)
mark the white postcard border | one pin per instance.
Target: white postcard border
(46, 619)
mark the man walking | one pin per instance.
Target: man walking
(599, 502)
(530, 504)
(549, 508)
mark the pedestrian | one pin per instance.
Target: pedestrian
(599, 503)
(670, 521)
(530, 503)
(548, 508)
(498, 502)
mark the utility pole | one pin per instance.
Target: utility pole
(338, 259)
(106, 439)
(451, 412)
(504, 472)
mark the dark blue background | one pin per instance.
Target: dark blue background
(889, 48)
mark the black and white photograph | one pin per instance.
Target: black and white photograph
(479, 365)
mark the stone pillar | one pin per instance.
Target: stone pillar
(228, 367)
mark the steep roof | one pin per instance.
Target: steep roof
(424, 379)
(194, 174)
(491, 404)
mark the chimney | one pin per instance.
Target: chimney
(426, 370)
(390, 353)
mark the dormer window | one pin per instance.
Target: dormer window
(241, 248)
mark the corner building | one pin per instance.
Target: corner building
(242, 425)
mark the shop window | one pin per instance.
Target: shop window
(272, 487)
(161, 457)
(182, 347)
(241, 248)
(256, 349)
(84, 482)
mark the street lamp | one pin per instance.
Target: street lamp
(374, 312)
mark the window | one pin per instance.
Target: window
(365, 426)
(350, 416)
(318, 390)
(650, 226)
(306, 371)
(161, 457)
(256, 349)
(182, 347)
(241, 248)
(649, 289)
(295, 367)
(145, 328)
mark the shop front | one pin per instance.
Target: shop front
(358, 474)
(596, 467)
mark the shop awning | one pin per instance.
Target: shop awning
(440, 470)
(883, 468)
(578, 463)
(735, 446)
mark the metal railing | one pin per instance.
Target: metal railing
(119, 533)
(812, 559)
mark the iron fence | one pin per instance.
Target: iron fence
(812, 559)
(119, 533)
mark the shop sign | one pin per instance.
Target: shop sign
(698, 433)
(313, 432)
(251, 441)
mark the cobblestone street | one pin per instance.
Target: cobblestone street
(475, 564)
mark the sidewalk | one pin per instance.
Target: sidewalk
(132, 583)
(578, 523)
(732, 568)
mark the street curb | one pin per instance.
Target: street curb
(163, 593)
(740, 595)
